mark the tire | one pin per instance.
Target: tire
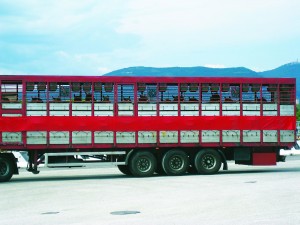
(124, 169)
(142, 164)
(175, 163)
(6, 169)
(207, 161)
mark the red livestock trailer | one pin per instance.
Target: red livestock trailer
(169, 125)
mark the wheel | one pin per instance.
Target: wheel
(6, 169)
(124, 169)
(142, 164)
(207, 161)
(175, 162)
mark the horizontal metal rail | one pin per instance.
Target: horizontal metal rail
(82, 163)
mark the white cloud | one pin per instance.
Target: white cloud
(97, 36)
(4, 71)
(211, 21)
(58, 16)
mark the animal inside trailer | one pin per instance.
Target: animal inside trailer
(143, 125)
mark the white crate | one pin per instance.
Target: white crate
(231, 135)
(189, 136)
(287, 110)
(270, 136)
(189, 113)
(36, 113)
(146, 113)
(103, 113)
(125, 106)
(104, 106)
(189, 107)
(168, 113)
(11, 105)
(81, 113)
(210, 106)
(251, 113)
(210, 113)
(147, 137)
(36, 106)
(125, 113)
(248, 107)
(272, 107)
(59, 106)
(171, 106)
(36, 137)
(59, 137)
(251, 135)
(168, 137)
(59, 113)
(81, 137)
(104, 137)
(270, 113)
(147, 107)
(11, 115)
(125, 137)
(210, 136)
(287, 136)
(11, 137)
(230, 113)
(230, 107)
(81, 106)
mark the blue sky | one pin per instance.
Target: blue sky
(92, 37)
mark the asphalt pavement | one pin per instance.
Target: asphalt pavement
(241, 195)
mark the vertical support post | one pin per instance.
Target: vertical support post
(70, 111)
(261, 113)
(115, 103)
(135, 109)
(0, 107)
(200, 109)
(23, 111)
(178, 110)
(93, 111)
(157, 112)
(241, 110)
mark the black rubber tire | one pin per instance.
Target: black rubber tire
(124, 169)
(208, 161)
(6, 169)
(175, 163)
(142, 164)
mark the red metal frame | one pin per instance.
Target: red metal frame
(143, 123)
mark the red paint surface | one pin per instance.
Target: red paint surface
(127, 123)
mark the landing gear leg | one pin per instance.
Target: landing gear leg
(32, 162)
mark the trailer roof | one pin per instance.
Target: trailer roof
(145, 79)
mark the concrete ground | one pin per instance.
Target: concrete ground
(242, 195)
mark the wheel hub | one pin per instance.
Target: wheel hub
(143, 164)
(176, 163)
(208, 162)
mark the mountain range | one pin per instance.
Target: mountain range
(290, 70)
